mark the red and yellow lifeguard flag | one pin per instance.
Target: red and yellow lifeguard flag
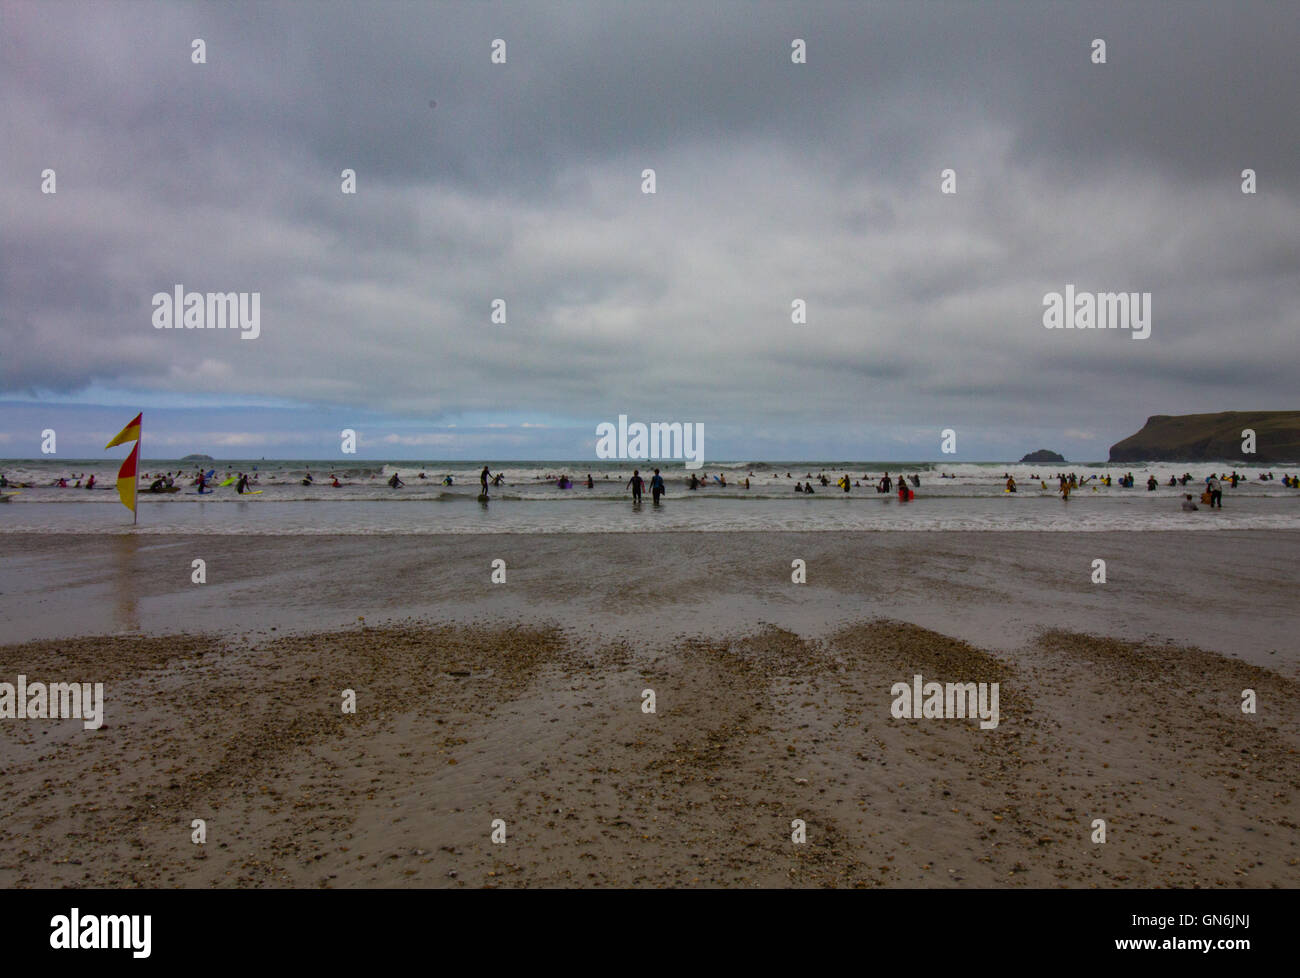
(126, 475)
(126, 479)
(130, 433)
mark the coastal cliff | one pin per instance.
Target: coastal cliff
(1213, 437)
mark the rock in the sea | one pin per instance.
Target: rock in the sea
(1043, 455)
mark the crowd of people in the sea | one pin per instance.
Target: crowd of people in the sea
(158, 481)
(205, 482)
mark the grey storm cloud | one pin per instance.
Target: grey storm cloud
(776, 181)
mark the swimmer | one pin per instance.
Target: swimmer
(395, 482)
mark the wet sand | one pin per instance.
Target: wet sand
(523, 702)
(1228, 591)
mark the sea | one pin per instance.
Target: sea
(950, 496)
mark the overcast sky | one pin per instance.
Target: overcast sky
(522, 181)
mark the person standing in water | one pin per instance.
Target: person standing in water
(483, 479)
(636, 482)
(657, 487)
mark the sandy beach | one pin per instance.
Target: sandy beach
(523, 702)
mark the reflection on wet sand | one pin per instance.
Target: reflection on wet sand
(126, 569)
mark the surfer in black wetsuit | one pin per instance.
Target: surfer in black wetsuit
(636, 482)
(395, 482)
(241, 486)
(483, 479)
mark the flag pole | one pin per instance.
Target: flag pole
(135, 510)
